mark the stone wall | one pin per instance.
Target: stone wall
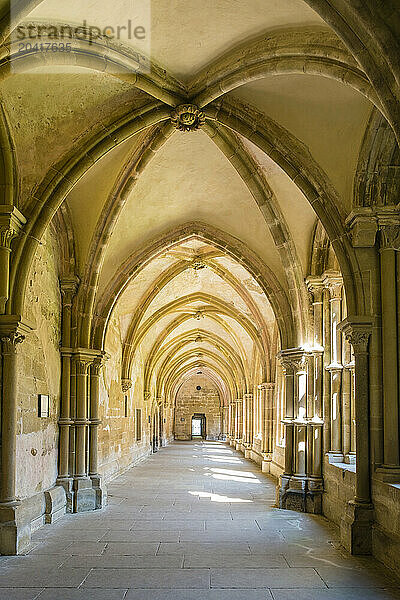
(339, 489)
(39, 372)
(190, 401)
(386, 529)
(118, 448)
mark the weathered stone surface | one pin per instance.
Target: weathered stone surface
(191, 401)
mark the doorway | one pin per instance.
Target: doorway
(198, 426)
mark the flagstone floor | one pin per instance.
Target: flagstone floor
(194, 521)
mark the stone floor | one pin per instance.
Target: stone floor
(194, 521)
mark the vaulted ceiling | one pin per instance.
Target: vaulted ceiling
(195, 244)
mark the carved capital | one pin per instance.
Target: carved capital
(187, 117)
(267, 386)
(81, 366)
(126, 385)
(13, 330)
(11, 341)
(294, 359)
(315, 286)
(11, 223)
(357, 332)
(98, 364)
(147, 395)
(390, 237)
(334, 283)
(69, 287)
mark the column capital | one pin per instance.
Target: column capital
(357, 331)
(83, 358)
(126, 385)
(363, 223)
(11, 223)
(294, 359)
(98, 363)
(69, 287)
(315, 286)
(267, 386)
(333, 282)
(13, 330)
(389, 237)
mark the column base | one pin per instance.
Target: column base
(86, 497)
(350, 459)
(247, 450)
(67, 484)
(15, 529)
(101, 491)
(301, 494)
(335, 457)
(356, 528)
(266, 462)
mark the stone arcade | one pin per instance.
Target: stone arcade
(199, 248)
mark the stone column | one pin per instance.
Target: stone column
(316, 288)
(389, 246)
(326, 383)
(248, 423)
(225, 424)
(81, 421)
(84, 496)
(9, 416)
(314, 467)
(297, 491)
(15, 530)
(347, 403)
(288, 375)
(68, 290)
(94, 422)
(11, 223)
(239, 421)
(335, 286)
(285, 358)
(267, 418)
(356, 525)
(232, 428)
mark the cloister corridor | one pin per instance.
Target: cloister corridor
(199, 300)
(194, 521)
